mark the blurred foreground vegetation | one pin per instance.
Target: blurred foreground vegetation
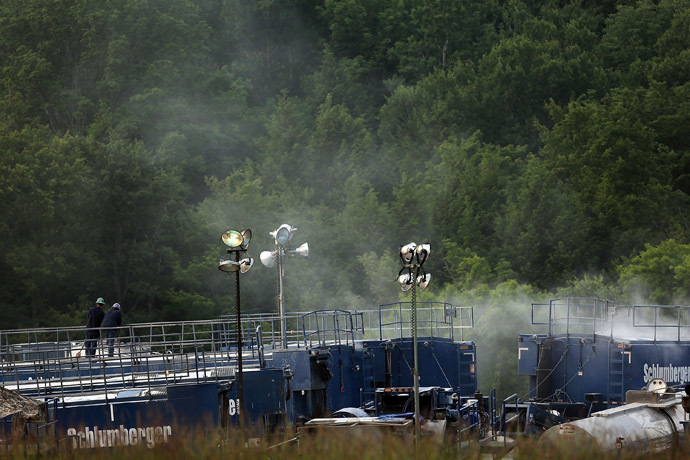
(337, 446)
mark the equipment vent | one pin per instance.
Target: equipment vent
(223, 371)
(158, 391)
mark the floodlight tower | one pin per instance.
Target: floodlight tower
(237, 243)
(282, 236)
(410, 276)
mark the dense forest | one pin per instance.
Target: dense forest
(542, 148)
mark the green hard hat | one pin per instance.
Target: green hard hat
(100, 300)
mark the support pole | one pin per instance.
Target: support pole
(417, 427)
(281, 303)
(240, 394)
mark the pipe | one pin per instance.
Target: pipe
(544, 370)
(388, 370)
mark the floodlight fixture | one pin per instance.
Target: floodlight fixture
(228, 266)
(281, 238)
(246, 264)
(235, 239)
(302, 251)
(422, 251)
(413, 257)
(247, 236)
(242, 266)
(237, 243)
(407, 252)
(410, 276)
(283, 234)
(423, 281)
(268, 258)
(406, 281)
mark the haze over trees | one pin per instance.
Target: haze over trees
(541, 147)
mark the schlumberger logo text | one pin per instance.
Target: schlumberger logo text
(669, 374)
(90, 438)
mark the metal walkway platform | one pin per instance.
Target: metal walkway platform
(51, 362)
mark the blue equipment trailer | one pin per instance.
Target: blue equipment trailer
(167, 378)
(595, 351)
(592, 352)
(342, 362)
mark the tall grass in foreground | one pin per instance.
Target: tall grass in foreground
(335, 445)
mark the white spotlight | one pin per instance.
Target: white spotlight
(423, 251)
(246, 264)
(303, 250)
(246, 237)
(283, 234)
(268, 258)
(228, 266)
(406, 281)
(423, 281)
(407, 251)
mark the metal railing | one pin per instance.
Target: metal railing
(665, 318)
(332, 327)
(508, 418)
(60, 361)
(57, 361)
(470, 431)
(575, 315)
(579, 315)
(434, 319)
(270, 325)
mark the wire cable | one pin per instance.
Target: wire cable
(402, 353)
(545, 379)
(439, 366)
(560, 390)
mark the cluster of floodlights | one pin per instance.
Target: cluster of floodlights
(413, 257)
(238, 242)
(282, 236)
(410, 275)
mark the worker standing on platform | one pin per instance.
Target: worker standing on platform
(111, 324)
(93, 322)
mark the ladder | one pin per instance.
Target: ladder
(467, 371)
(616, 388)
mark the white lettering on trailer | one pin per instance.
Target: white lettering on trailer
(89, 438)
(234, 406)
(669, 374)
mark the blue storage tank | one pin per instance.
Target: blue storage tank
(594, 351)
(338, 367)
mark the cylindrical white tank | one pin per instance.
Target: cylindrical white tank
(641, 427)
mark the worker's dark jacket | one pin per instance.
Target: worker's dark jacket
(94, 319)
(113, 318)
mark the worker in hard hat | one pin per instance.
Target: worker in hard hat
(94, 318)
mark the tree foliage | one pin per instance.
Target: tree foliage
(539, 147)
